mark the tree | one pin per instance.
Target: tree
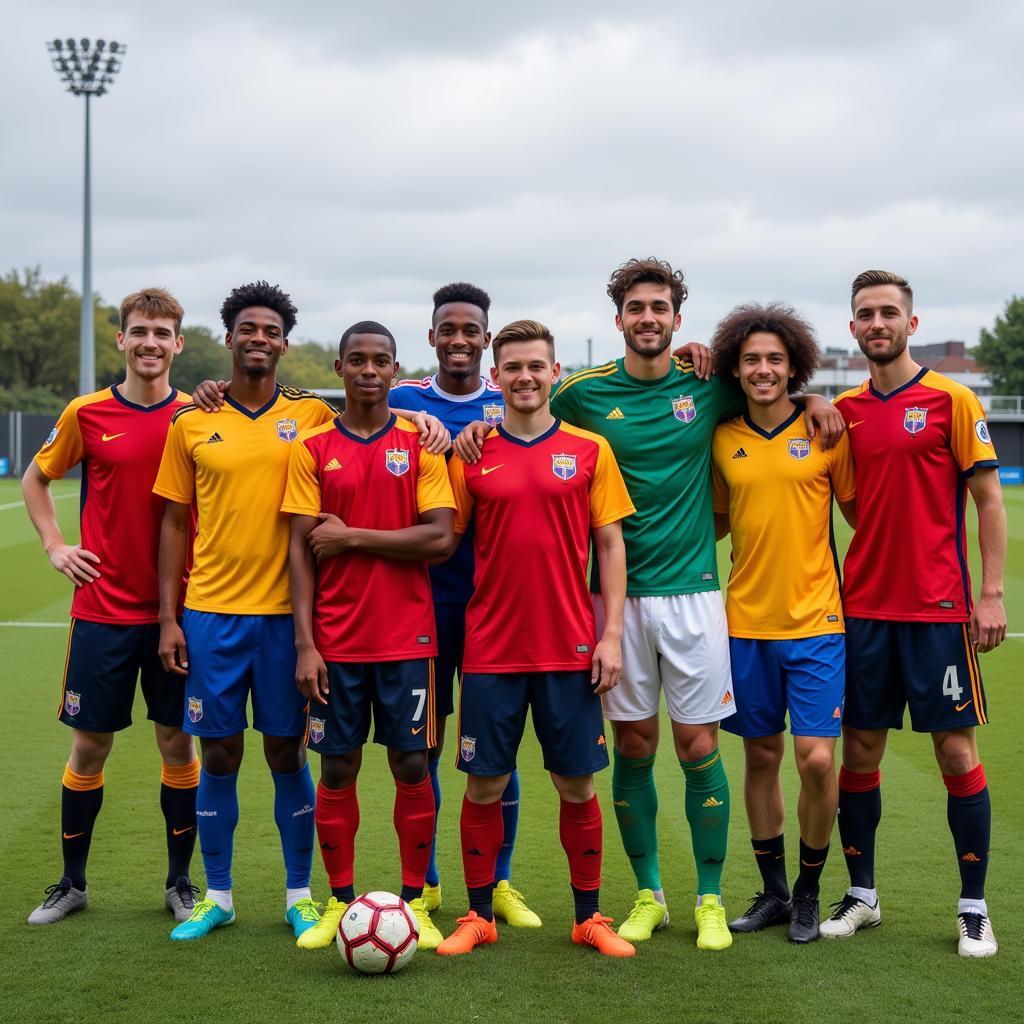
(1001, 350)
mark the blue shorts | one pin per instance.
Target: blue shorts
(400, 695)
(803, 676)
(930, 667)
(103, 664)
(567, 719)
(230, 656)
(451, 640)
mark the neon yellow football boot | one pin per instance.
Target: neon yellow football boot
(510, 907)
(646, 917)
(324, 932)
(712, 929)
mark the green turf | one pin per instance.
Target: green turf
(115, 963)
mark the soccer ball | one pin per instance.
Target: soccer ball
(378, 933)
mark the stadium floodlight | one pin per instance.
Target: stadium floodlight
(88, 69)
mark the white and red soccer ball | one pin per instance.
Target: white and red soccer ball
(378, 933)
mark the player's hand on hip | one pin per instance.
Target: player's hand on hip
(606, 666)
(328, 539)
(823, 420)
(209, 396)
(75, 562)
(172, 650)
(469, 443)
(311, 675)
(434, 434)
(699, 355)
(988, 623)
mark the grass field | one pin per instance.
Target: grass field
(114, 962)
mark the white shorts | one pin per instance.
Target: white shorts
(678, 644)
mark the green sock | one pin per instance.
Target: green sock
(707, 811)
(636, 811)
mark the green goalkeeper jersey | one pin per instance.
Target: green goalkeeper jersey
(660, 432)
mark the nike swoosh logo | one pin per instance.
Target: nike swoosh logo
(806, 864)
(856, 423)
(180, 831)
(75, 836)
(960, 707)
(491, 469)
(112, 437)
(416, 731)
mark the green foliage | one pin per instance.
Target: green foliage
(31, 400)
(1001, 349)
(204, 357)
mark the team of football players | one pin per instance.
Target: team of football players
(647, 458)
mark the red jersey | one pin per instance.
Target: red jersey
(119, 445)
(534, 504)
(369, 608)
(913, 450)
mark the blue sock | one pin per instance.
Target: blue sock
(216, 818)
(510, 818)
(294, 798)
(433, 878)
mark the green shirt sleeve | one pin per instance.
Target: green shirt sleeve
(729, 396)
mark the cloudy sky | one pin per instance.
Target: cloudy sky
(361, 154)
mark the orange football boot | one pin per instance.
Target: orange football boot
(596, 931)
(473, 931)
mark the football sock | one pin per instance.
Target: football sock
(178, 785)
(580, 830)
(414, 823)
(433, 878)
(969, 812)
(636, 812)
(222, 897)
(81, 797)
(481, 829)
(770, 855)
(337, 821)
(812, 862)
(707, 811)
(292, 896)
(860, 811)
(294, 797)
(216, 819)
(510, 819)
(586, 903)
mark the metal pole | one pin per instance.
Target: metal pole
(590, 351)
(87, 334)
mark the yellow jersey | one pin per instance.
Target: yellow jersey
(777, 489)
(235, 465)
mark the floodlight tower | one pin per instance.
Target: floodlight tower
(88, 69)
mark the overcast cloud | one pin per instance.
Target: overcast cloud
(363, 154)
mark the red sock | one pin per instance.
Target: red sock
(580, 829)
(414, 823)
(482, 833)
(337, 821)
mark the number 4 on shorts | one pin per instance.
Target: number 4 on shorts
(951, 684)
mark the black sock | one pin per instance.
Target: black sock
(410, 893)
(179, 810)
(480, 901)
(770, 855)
(860, 811)
(588, 903)
(78, 811)
(812, 862)
(970, 821)
(344, 893)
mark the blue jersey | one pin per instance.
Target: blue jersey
(452, 581)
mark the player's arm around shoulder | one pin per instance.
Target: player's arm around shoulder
(988, 616)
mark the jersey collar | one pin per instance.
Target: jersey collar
(529, 444)
(143, 408)
(441, 393)
(903, 387)
(769, 434)
(365, 440)
(259, 412)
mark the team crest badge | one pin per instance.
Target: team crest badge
(494, 413)
(981, 429)
(195, 709)
(914, 420)
(287, 430)
(397, 461)
(467, 748)
(72, 702)
(316, 729)
(683, 408)
(799, 447)
(563, 466)
(51, 437)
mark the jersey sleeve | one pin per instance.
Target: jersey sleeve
(719, 491)
(302, 490)
(841, 470)
(564, 404)
(609, 499)
(969, 436)
(460, 492)
(433, 488)
(176, 478)
(730, 398)
(63, 447)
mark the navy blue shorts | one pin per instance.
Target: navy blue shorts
(803, 676)
(930, 667)
(567, 719)
(231, 656)
(451, 640)
(103, 664)
(400, 695)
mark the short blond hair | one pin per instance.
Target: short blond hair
(872, 278)
(153, 304)
(522, 330)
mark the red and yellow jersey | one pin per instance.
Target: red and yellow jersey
(777, 489)
(534, 504)
(118, 445)
(234, 464)
(369, 608)
(914, 450)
